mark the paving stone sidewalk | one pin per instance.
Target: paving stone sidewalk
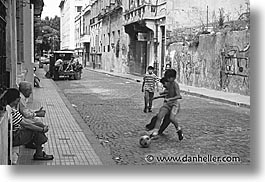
(67, 140)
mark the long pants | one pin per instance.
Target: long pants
(24, 136)
(148, 99)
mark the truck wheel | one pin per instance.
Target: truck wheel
(78, 75)
(56, 76)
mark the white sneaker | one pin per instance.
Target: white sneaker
(154, 134)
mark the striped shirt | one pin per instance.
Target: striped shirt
(149, 82)
(16, 119)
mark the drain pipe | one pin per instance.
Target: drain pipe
(156, 42)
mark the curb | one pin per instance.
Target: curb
(237, 104)
(99, 150)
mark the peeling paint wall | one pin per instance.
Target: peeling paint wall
(220, 61)
(116, 58)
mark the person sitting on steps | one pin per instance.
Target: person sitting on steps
(25, 131)
(25, 89)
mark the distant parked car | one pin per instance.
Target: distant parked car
(43, 60)
(37, 58)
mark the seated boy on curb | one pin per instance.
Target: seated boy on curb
(171, 104)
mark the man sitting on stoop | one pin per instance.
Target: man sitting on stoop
(25, 89)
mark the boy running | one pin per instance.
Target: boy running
(148, 87)
(171, 104)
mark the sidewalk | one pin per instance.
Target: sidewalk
(69, 138)
(220, 96)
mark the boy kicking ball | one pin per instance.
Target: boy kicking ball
(171, 104)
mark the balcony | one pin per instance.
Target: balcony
(114, 6)
(145, 12)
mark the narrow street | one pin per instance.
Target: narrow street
(112, 107)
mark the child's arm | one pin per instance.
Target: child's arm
(160, 96)
(143, 84)
(173, 98)
(165, 92)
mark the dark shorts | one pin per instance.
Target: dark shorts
(24, 136)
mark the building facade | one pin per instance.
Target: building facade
(16, 52)
(85, 34)
(78, 33)
(125, 36)
(17, 40)
(145, 25)
(69, 10)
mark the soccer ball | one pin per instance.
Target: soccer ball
(145, 141)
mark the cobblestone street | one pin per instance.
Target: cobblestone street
(112, 107)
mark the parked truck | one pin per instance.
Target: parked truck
(63, 64)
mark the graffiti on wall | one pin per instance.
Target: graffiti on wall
(187, 63)
(227, 70)
(235, 63)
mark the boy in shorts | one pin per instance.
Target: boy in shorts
(171, 104)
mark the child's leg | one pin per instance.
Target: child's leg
(162, 112)
(173, 116)
(146, 100)
(165, 123)
(151, 96)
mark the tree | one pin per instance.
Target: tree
(47, 34)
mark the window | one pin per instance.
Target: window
(119, 34)
(113, 36)
(108, 42)
(78, 8)
(153, 9)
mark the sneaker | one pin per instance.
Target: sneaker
(145, 110)
(147, 128)
(150, 110)
(180, 134)
(154, 135)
